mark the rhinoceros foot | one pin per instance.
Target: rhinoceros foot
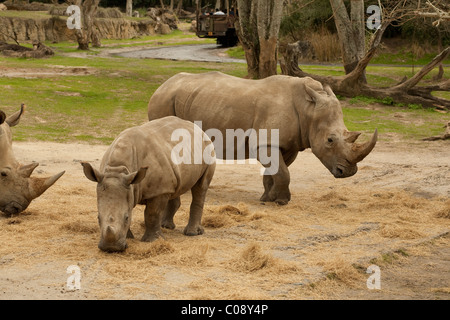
(279, 197)
(168, 225)
(193, 231)
(152, 236)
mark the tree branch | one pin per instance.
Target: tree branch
(408, 84)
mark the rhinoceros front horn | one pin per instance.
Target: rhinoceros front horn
(38, 186)
(360, 150)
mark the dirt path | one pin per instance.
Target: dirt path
(199, 52)
(398, 200)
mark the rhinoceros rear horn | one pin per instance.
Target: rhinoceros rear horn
(38, 186)
(360, 151)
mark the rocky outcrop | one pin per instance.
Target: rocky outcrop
(109, 22)
(55, 29)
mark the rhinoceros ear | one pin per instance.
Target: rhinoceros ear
(13, 120)
(351, 137)
(311, 94)
(27, 170)
(329, 91)
(136, 177)
(2, 117)
(91, 173)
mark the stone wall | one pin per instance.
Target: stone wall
(55, 29)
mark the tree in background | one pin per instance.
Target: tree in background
(353, 83)
(257, 28)
(351, 32)
(88, 33)
(129, 8)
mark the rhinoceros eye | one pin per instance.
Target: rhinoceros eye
(330, 140)
(4, 174)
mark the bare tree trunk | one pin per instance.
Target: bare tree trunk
(248, 35)
(268, 25)
(258, 28)
(129, 8)
(180, 6)
(88, 32)
(351, 32)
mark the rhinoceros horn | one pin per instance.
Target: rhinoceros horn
(360, 150)
(38, 186)
(110, 235)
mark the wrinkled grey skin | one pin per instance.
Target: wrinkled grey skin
(138, 169)
(306, 114)
(17, 187)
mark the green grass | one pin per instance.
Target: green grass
(410, 122)
(236, 52)
(115, 97)
(25, 14)
(404, 57)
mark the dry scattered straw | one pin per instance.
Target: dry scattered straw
(254, 259)
(264, 251)
(396, 231)
(444, 213)
(227, 215)
(341, 270)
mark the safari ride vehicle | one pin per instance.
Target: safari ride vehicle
(217, 23)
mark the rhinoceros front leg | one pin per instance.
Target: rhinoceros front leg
(276, 186)
(152, 215)
(171, 208)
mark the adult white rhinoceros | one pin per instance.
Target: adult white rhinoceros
(303, 113)
(17, 187)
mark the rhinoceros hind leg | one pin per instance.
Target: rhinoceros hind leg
(199, 190)
(268, 183)
(171, 208)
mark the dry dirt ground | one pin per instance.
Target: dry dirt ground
(394, 213)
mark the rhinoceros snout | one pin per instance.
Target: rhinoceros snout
(344, 172)
(112, 247)
(12, 208)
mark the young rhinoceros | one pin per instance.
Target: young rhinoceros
(143, 166)
(17, 187)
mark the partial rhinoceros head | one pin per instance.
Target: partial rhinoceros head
(17, 187)
(330, 140)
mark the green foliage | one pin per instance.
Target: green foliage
(304, 16)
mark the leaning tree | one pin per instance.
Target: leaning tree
(355, 62)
